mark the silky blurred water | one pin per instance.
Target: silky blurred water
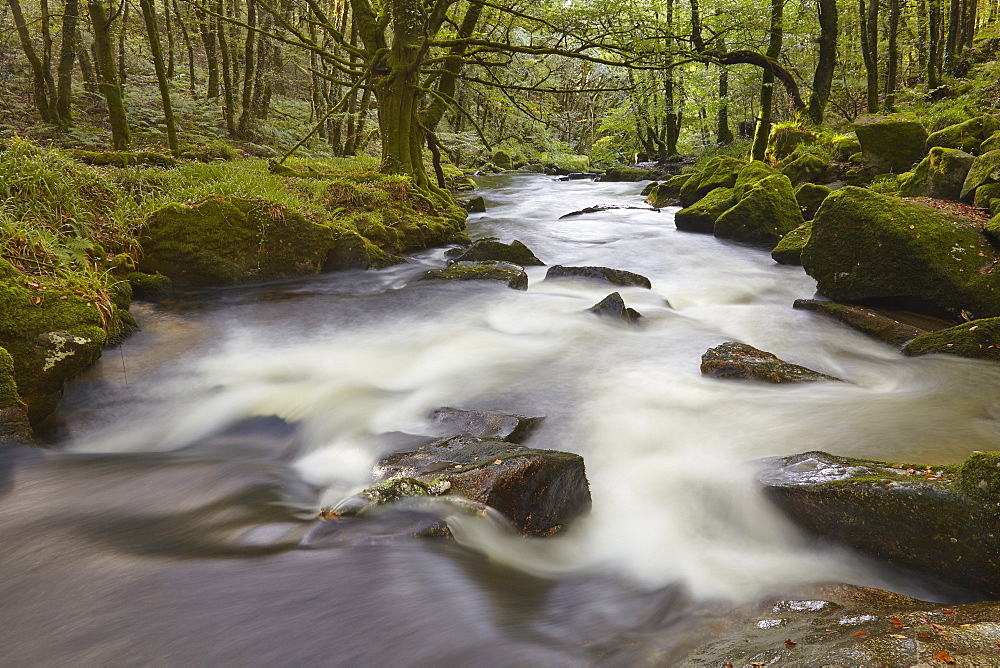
(165, 527)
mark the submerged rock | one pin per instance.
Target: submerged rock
(878, 250)
(539, 490)
(486, 424)
(492, 249)
(938, 520)
(613, 306)
(893, 327)
(892, 146)
(701, 216)
(977, 339)
(604, 274)
(490, 270)
(766, 213)
(740, 361)
(605, 207)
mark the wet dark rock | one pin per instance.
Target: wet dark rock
(938, 520)
(476, 205)
(878, 250)
(848, 626)
(492, 249)
(893, 327)
(581, 176)
(740, 361)
(622, 174)
(510, 274)
(618, 277)
(613, 306)
(892, 145)
(509, 427)
(605, 207)
(539, 490)
(976, 339)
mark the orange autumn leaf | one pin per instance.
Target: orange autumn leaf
(790, 643)
(925, 634)
(947, 612)
(860, 633)
(896, 621)
(944, 657)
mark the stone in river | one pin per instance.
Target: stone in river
(613, 306)
(618, 277)
(738, 360)
(486, 424)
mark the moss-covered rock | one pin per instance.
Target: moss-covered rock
(751, 174)
(914, 182)
(51, 333)
(890, 326)
(845, 147)
(149, 287)
(977, 339)
(810, 196)
(784, 139)
(789, 249)
(967, 136)
(648, 188)
(232, 240)
(666, 193)
(985, 169)
(742, 362)
(937, 520)
(875, 249)
(503, 160)
(985, 195)
(992, 143)
(124, 159)
(809, 168)
(511, 275)
(14, 426)
(626, 174)
(946, 172)
(618, 277)
(475, 205)
(350, 250)
(701, 216)
(764, 215)
(892, 145)
(493, 249)
(718, 172)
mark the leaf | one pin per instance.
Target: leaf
(947, 612)
(896, 621)
(944, 657)
(790, 643)
(925, 634)
(860, 633)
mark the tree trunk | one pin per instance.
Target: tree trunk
(723, 133)
(192, 80)
(892, 67)
(104, 57)
(934, 44)
(152, 32)
(169, 26)
(763, 129)
(869, 50)
(228, 109)
(206, 26)
(826, 61)
(44, 86)
(249, 49)
(86, 64)
(954, 28)
(122, 73)
(67, 58)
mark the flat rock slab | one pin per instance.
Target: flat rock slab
(493, 249)
(509, 427)
(893, 327)
(605, 207)
(512, 275)
(618, 277)
(540, 491)
(939, 520)
(613, 306)
(740, 361)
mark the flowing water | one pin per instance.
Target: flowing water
(169, 526)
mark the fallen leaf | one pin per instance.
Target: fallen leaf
(790, 643)
(937, 626)
(498, 461)
(860, 633)
(896, 635)
(727, 665)
(36, 300)
(947, 612)
(925, 634)
(946, 634)
(896, 621)
(944, 657)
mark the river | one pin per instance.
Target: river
(167, 526)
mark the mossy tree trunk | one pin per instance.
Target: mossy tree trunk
(43, 85)
(723, 133)
(892, 55)
(104, 57)
(868, 17)
(775, 35)
(209, 39)
(826, 60)
(67, 58)
(152, 33)
(934, 37)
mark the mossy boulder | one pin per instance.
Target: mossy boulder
(350, 250)
(985, 169)
(618, 277)
(627, 174)
(785, 139)
(718, 172)
(789, 249)
(809, 168)
(14, 426)
(809, 197)
(493, 249)
(938, 520)
(986, 195)
(914, 182)
(510, 275)
(764, 215)
(845, 147)
(946, 172)
(51, 334)
(648, 188)
(668, 192)
(540, 491)
(887, 325)
(124, 159)
(232, 240)
(475, 205)
(892, 145)
(701, 216)
(967, 136)
(874, 249)
(977, 339)
(502, 159)
(751, 174)
(149, 287)
(743, 362)
(992, 143)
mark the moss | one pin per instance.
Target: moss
(626, 174)
(668, 192)
(753, 172)
(978, 339)
(718, 172)
(992, 143)
(914, 182)
(986, 194)
(845, 147)
(946, 172)
(979, 477)
(871, 248)
(808, 168)
(503, 160)
(149, 287)
(701, 216)
(892, 145)
(510, 274)
(809, 197)
(764, 215)
(350, 250)
(985, 169)
(967, 136)
(785, 138)
(124, 159)
(8, 387)
(789, 249)
(648, 188)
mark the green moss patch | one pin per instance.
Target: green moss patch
(978, 339)
(764, 215)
